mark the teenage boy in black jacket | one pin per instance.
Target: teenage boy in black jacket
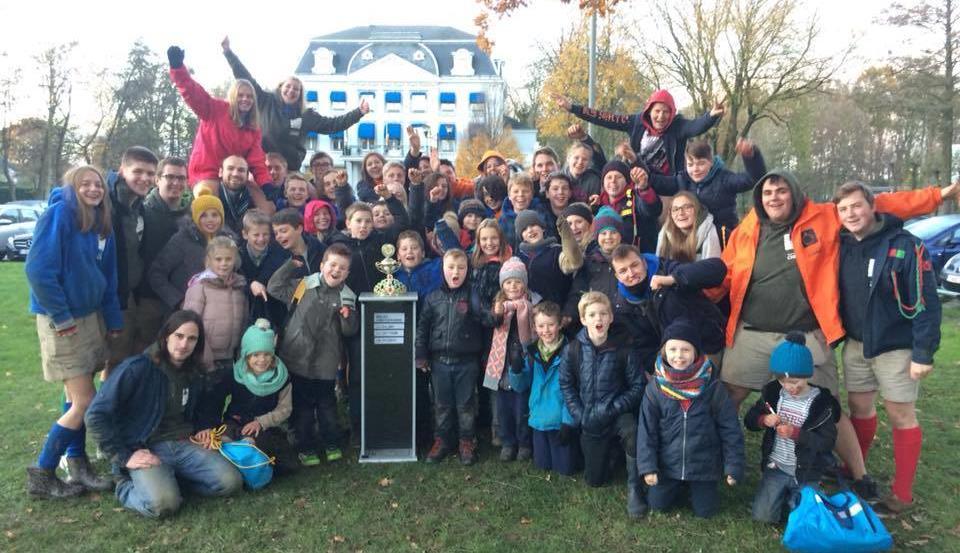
(890, 310)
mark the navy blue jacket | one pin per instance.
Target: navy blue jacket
(717, 191)
(818, 434)
(597, 391)
(543, 270)
(893, 254)
(71, 274)
(129, 406)
(273, 310)
(424, 278)
(703, 443)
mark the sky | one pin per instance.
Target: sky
(271, 44)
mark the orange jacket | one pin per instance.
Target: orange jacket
(816, 240)
(462, 188)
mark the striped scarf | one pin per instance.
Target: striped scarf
(686, 385)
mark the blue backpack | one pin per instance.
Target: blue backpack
(840, 522)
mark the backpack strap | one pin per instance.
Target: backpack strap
(574, 354)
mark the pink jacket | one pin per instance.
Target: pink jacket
(217, 135)
(224, 311)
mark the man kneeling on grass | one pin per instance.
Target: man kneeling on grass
(142, 419)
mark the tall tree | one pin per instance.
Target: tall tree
(943, 19)
(756, 54)
(503, 8)
(8, 99)
(470, 151)
(55, 83)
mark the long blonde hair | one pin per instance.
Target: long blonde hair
(677, 244)
(252, 119)
(479, 258)
(90, 218)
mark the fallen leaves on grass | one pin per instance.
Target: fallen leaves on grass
(526, 521)
(906, 525)
(394, 504)
(300, 503)
(10, 535)
(956, 530)
(337, 538)
(384, 482)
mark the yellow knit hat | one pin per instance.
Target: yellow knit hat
(205, 200)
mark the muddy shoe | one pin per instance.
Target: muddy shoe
(468, 452)
(80, 472)
(44, 484)
(508, 453)
(524, 454)
(892, 505)
(438, 452)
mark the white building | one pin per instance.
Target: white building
(434, 78)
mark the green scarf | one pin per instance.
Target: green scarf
(264, 384)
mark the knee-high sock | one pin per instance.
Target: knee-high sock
(58, 439)
(866, 430)
(906, 455)
(78, 447)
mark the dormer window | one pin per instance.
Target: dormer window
(462, 63)
(418, 55)
(323, 62)
(367, 55)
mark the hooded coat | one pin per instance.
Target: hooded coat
(815, 234)
(708, 242)
(674, 136)
(223, 306)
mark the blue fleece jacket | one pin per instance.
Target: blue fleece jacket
(424, 278)
(71, 273)
(542, 377)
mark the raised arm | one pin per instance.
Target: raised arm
(240, 71)
(198, 100)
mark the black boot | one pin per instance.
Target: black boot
(44, 484)
(80, 472)
(636, 503)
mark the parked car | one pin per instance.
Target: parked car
(16, 219)
(18, 246)
(940, 235)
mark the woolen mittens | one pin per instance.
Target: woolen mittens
(175, 57)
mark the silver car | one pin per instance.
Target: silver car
(15, 220)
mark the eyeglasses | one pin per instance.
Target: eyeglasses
(680, 208)
(174, 178)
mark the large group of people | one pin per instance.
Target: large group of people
(587, 311)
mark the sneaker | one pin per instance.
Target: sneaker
(334, 454)
(507, 453)
(308, 459)
(866, 488)
(468, 452)
(524, 454)
(438, 452)
(891, 504)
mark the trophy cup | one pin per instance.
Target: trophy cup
(389, 286)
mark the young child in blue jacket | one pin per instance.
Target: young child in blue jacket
(538, 370)
(689, 434)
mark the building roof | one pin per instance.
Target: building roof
(402, 40)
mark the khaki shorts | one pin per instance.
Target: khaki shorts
(747, 363)
(65, 357)
(888, 372)
(121, 346)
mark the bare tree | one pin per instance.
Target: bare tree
(55, 83)
(8, 98)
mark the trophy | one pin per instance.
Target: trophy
(389, 286)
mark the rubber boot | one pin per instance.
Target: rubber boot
(44, 484)
(80, 472)
(636, 502)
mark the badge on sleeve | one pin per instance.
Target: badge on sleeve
(808, 237)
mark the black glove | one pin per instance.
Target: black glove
(175, 57)
(567, 434)
(516, 357)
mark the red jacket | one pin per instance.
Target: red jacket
(217, 136)
(816, 237)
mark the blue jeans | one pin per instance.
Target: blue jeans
(704, 496)
(777, 490)
(155, 491)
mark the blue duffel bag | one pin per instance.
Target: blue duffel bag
(255, 466)
(840, 522)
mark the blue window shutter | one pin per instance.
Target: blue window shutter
(448, 131)
(311, 95)
(367, 130)
(312, 134)
(393, 97)
(338, 96)
(338, 134)
(477, 97)
(393, 130)
(448, 98)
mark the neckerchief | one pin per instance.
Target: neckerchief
(686, 385)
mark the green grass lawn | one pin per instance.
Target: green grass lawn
(413, 507)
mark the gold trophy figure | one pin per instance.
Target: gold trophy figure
(389, 286)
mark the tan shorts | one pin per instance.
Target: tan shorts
(65, 357)
(888, 372)
(121, 346)
(747, 363)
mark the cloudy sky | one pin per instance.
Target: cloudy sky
(271, 37)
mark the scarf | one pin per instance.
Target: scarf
(264, 384)
(532, 249)
(686, 385)
(546, 350)
(498, 346)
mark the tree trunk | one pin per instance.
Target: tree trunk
(6, 163)
(949, 94)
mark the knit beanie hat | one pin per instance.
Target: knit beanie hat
(527, 218)
(259, 337)
(205, 200)
(618, 166)
(471, 205)
(579, 209)
(792, 358)
(513, 268)
(607, 218)
(683, 329)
